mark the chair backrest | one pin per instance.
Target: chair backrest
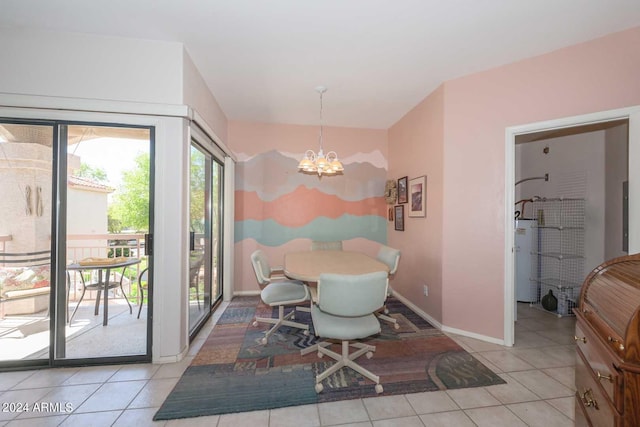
(317, 245)
(261, 267)
(352, 295)
(389, 256)
(144, 275)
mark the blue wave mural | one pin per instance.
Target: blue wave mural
(270, 233)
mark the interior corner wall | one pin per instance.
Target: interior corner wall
(594, 76)
(279, 209)
(197, 95)
(416, 149)
(72, 65)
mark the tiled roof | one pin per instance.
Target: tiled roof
(87, 184)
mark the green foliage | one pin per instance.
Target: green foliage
(130, 206)
(92, 173)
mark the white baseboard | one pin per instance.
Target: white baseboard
(445, 328)
(245, 293)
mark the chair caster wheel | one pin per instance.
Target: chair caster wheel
(305, 333)
(255, 323)
(319, 388)
(264, 340)
(379, 388)
(320, 355)
(293, 317)
(369, 354)
(396, 326)
(386, 310)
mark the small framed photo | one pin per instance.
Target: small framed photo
(399, 217)
(418, 197)
(390, 214)
(402, 190)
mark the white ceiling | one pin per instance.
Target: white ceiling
(262, 59)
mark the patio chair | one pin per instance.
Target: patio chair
(143, 277)
(194, 277)
(278, 291)
(345, 311)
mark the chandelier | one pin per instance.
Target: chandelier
(320, 163)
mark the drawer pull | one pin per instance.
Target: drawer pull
(614, 340)
(604, 377)
(588, 400)
(583, 339)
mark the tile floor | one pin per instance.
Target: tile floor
(539, 391)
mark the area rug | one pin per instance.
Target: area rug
(234, 372)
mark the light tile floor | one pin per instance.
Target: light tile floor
(539, 371)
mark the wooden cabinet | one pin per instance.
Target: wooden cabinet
(608, 345)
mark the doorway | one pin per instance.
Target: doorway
(538, 133)
(206, 171)
(72, 242)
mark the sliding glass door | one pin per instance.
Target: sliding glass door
(77, 208)
(205, 237)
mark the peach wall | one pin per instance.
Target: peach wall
(415, 149)
(278, 209)
(595, 76)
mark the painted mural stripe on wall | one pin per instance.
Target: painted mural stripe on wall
(269, 233)
(375, 157)
(302, 206)
(272, 175)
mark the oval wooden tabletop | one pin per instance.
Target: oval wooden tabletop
(308, 265)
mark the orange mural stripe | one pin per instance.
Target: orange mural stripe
(302, 206)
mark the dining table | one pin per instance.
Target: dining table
(308, 265)
(103, 266)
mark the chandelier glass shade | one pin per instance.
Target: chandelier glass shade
(320, 163)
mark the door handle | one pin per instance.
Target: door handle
(192, 240)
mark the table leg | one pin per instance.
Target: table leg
(106, 298)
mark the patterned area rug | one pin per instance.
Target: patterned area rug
(233, 372)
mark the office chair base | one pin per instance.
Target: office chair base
(282, 320)
(346, 359)
(389, 319)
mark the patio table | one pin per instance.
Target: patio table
(102, 265)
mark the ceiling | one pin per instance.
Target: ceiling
(262, 59)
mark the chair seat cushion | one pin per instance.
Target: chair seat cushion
(286, 292)
(343, 328)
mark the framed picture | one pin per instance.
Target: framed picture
(399, 217)
(418, 196)
(402, 190)
(390, 214)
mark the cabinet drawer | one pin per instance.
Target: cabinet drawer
(599, 362)
(590, 397)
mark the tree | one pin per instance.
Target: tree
(130, 206)
(92, 173)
